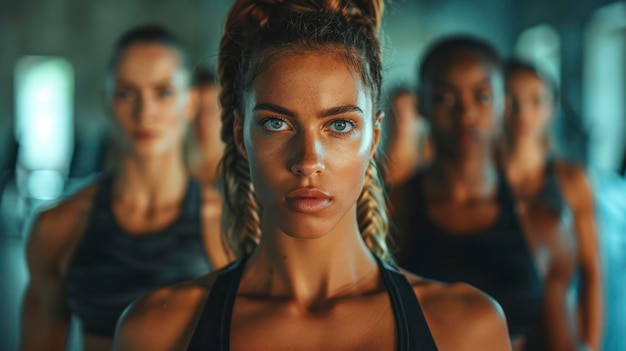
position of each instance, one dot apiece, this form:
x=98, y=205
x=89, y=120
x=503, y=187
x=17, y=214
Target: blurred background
x=54, y=129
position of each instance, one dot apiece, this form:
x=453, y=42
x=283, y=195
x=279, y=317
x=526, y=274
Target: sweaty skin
x=308, y=122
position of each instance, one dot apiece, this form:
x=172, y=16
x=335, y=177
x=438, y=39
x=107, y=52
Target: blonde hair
x=247, y=46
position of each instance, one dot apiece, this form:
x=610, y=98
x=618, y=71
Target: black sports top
x=550, y=192
x=213, y=328
x=496, y=261
x=111, y=268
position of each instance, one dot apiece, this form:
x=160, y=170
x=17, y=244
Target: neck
x=312, y=271
x=150, y=182
x=524, y=159
x=466, y=179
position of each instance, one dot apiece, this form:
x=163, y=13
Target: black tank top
x=111, y=268
x=213, y=328
x=550, y=193
x=496, y=261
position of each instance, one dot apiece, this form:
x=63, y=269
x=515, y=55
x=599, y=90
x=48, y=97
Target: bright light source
x=44, y=123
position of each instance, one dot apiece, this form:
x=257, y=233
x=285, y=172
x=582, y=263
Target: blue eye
x=341, y=126
x=275, y=124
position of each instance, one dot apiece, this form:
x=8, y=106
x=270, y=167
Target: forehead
x=312, y=78
x=462, y=68
x=144, y=62
x=524, y=78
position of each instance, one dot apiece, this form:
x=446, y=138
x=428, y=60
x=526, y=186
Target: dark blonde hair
x=256, y=32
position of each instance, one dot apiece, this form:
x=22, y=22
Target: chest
x=365, y=323
x=464, y=219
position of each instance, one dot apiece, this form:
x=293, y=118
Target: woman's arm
x=45, y=315
x=580, y=198
x=219, y=255
x=557, y=327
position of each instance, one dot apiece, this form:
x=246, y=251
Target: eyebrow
x=164, y=81
x=326, y=113
x=448, y=84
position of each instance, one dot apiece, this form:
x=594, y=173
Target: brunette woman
x=143, y=226
x=305, y=210
x=537, y=176
x=458, y=220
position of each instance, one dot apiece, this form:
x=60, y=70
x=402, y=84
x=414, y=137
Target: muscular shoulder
x=165, y=319
x=461, y=317
x=211, y=201
x=51, y=230
x=574, y=185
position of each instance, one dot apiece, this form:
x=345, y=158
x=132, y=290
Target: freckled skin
x=330, y=295
x=328, y=161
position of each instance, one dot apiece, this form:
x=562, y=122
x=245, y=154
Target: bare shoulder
x=461, y=317
x=574, y=184
x=164, y=319
x=50, y=231
x=211, y=201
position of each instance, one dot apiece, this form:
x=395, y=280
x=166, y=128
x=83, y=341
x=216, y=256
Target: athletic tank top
x=550, y=192
x=496, y=261
x=213, y=328
x=111, y=267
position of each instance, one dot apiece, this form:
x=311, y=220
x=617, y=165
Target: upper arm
x=45, y=314
x=461, y=317
x=218, y=254
x=579, y=196
x=556, y=318
x=52, y=236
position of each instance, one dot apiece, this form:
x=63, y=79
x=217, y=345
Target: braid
x=372, y=213
x=255, y=31
x=240, y=218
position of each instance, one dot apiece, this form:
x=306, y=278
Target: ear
x=193, y=105
x=378, y=122
x=238, y=134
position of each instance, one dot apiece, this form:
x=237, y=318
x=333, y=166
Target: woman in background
x=537, y=176
x=143, y=226
x=458, y=220
x=208, y=146
x=304, y=205
x=407, y=145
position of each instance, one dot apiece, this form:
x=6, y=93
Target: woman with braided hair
x=304, y=206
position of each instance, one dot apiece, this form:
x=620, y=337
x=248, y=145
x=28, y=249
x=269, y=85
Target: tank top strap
x=192, y=203
x=411, y=327
x=213, y=327
x=103, y=194
x=551, y=193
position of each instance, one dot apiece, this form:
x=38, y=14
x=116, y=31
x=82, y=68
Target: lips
x=468, y=136
x=308, y=200
x=144, y=134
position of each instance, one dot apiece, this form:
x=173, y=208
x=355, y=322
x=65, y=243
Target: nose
x=144, y=108
x=308, y=156
x=467, y=111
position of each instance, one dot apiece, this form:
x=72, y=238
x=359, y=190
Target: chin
x=306, y=228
